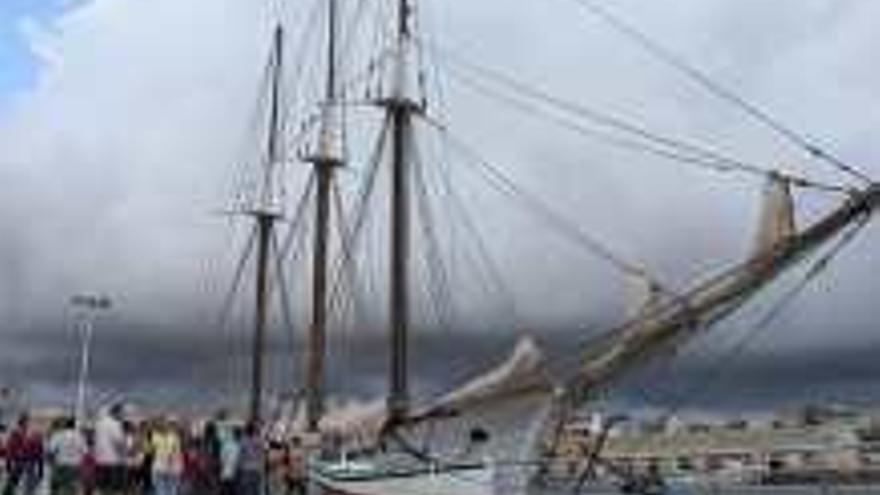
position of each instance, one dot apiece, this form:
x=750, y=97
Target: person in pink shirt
x=24, y=458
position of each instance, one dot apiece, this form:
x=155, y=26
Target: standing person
x=193, y=465
x=137, y=482
x=24, y=458
x=134, y=451
x=145, y=448
x=167, y=458
x=110, y=450
x=251, y=464
x=209, y=454
x=295, y=467
x=127, y=452
x=3, y=437
x=66, y=450
x=229, y=457
x=275, y=472
x=88, y=469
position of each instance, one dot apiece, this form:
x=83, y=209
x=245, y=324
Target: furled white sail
x=777, y=220
x=357, y=424
x=632, y=343
x=524, y=372
x=479, y=438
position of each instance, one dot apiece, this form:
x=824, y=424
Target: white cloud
x=118, y=153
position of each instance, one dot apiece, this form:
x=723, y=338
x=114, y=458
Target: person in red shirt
x=2, y=441
x=294, y=466
x=24, y=458
x=89, y=466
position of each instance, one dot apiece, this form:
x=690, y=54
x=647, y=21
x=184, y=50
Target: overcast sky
x=121, y=131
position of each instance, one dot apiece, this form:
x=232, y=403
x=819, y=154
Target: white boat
x=355, y=478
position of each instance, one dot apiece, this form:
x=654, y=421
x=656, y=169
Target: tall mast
x=328, y=156
x=265, y=215
x=400, y=107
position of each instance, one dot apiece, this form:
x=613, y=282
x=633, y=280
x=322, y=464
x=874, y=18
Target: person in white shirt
x=66, y=450
x=229, y=457
x=110, y=452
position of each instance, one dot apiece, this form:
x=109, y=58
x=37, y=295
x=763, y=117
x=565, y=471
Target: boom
x=632, y=343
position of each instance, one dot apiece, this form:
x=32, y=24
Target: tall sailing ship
x=496, y=433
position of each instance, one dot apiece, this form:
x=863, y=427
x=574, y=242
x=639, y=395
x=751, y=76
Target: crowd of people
x=157, y=456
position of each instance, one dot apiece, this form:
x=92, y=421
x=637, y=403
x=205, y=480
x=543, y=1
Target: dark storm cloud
x=758, y=380
x=183, y=368
x=194, y=362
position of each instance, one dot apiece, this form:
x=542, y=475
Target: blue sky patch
x=17, y=64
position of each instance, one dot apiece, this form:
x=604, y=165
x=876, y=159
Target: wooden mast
x=326, y=159
x=265, y=217
x=400, y=108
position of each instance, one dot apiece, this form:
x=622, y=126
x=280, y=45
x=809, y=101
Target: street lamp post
x=88, y=304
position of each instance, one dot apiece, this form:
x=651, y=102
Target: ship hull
x=458, y=482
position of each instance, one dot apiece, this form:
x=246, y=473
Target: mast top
x=402, y=76
x=329, y=148
x=404, y=16
x=268, y=201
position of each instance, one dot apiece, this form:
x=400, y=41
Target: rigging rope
x=349, y=268
x=719, y=164
x=244, y=188
x=346, y=337
x=508, y=187
x=482, y=259
x=226, y=308
x=654, y=143
x=440, y=294
x=485, y=270
x=353, y=236
x=286, y=311
x=678, y=63
x=297, y=88
x=298, y=218
x=722, y=362
x=222, y=322
x=280, y=251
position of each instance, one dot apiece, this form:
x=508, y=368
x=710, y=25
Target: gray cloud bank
x=194, y=371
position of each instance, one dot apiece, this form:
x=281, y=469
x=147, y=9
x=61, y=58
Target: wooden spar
x=327, y=158
x=265, y=218
x=264, y=235
x=398, y=399
x=399, y=108
x=317, y=330
x=634, y=342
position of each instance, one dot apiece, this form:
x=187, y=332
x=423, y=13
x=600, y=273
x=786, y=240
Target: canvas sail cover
x=500, y=416
x=644, y=296
x=613, y=353
x=506, y=404
x=357, y=424
x=524, y=372
x=777, y=222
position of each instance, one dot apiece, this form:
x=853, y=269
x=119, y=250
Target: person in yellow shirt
x=167, y=469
